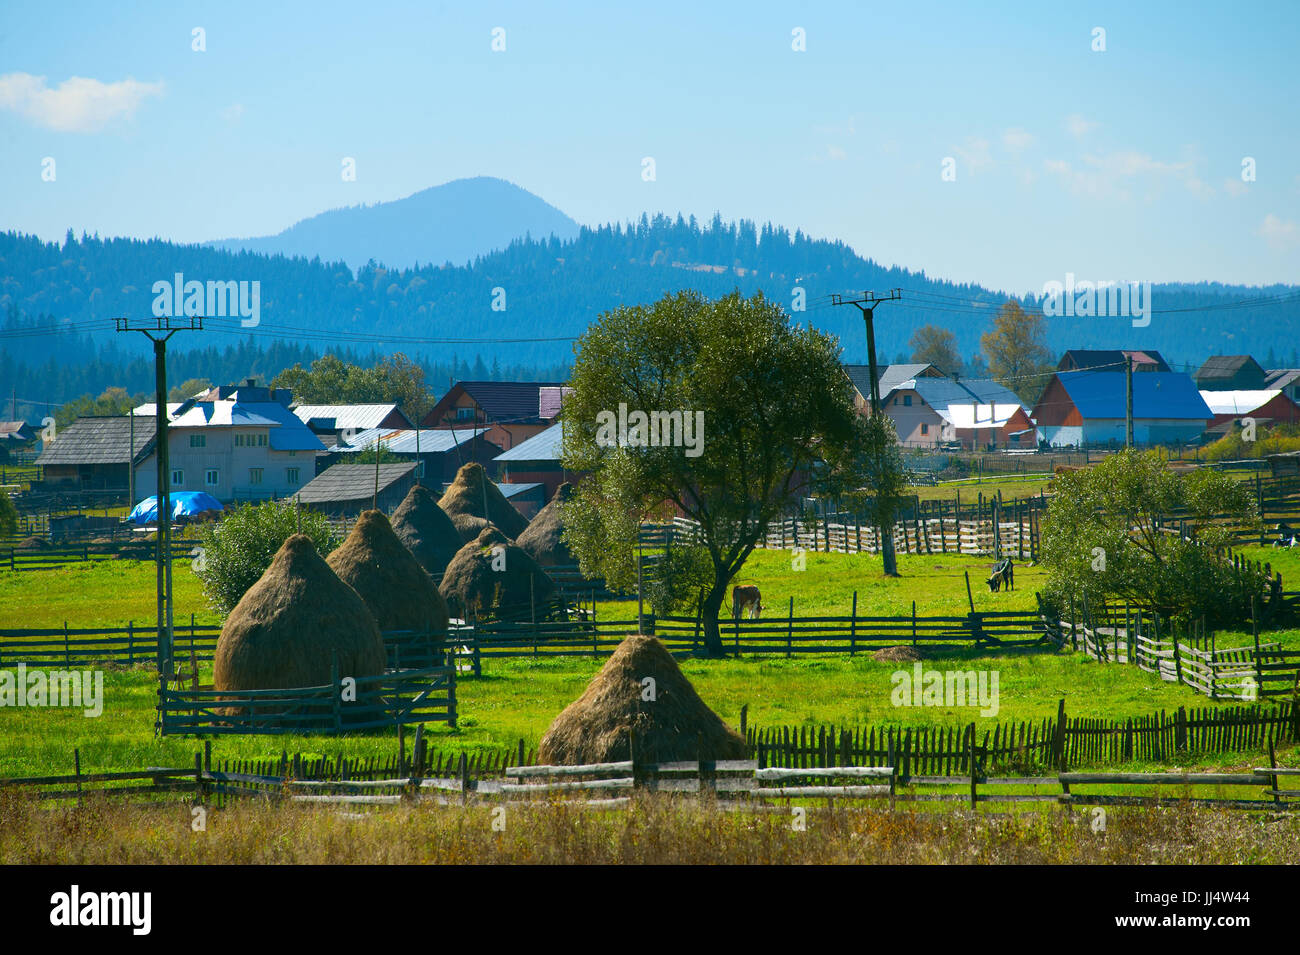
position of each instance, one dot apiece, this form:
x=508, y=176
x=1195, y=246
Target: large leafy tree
x=1106, y=536
x=1016, y=349
x=330, y=380
x=776, y=405
x=938, y=347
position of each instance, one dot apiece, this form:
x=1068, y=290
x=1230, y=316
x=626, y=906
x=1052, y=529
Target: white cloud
x=1277, y=232
x=1078, y=127
x=77, y=105
x=1017, y=139
x=1111, y=175
x=1233, y=186
x=975, y=153
x=233, y=113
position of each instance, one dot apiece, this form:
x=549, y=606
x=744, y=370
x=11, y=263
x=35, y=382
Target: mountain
x=455, y=222
x=553, y=289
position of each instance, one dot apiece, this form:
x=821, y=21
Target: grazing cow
x=746, y=598
x=1004, y=575
x=1286, y=536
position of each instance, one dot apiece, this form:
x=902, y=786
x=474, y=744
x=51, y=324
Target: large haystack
x=472, y=493
x=594, y=728
x=543, y=540
x=293, y=623
x=399, y=592
x=480, y=583
x=426, y=531
x=469, y=527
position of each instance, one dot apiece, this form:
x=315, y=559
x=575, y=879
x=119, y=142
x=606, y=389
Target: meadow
x=518, y=698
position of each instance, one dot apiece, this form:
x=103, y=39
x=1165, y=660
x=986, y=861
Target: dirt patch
x=899, y=654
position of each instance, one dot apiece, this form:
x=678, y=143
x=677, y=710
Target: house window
x=465, y=413
x=210, y=477
x=198, y=441
x=291, y=475
x=251, y=440
x=907, y=401
x=254, y=475
x=178, y=477
x=925, y=429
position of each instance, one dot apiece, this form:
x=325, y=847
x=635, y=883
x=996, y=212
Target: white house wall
x=232, y=464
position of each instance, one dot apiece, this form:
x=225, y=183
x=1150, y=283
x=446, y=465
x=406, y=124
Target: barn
x=1087, y=408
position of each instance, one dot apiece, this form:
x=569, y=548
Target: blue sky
x=1116, y=165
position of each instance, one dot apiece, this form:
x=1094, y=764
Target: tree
x=8, y=516
x=330, y=380
x=188, y=389
x=876, y=483
x=937, y=346
x=767, y=402
x=1016, y=350
x=1101, y=539
x=112, y=401
x=236, y=550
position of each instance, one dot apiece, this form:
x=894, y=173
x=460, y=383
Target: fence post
x=1180, y=729
x=853, y=626
x=1259, y=673
x=974, y=776
x=1058, y=741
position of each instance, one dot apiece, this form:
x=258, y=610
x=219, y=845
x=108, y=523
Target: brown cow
x=745, y=598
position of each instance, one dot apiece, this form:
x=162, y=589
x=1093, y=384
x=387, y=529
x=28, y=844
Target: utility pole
x=1128, y=401
x=158, y=329
x=867, y=306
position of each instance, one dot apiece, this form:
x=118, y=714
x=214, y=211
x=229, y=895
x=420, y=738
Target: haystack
x=292, y=624
x=426, y=531
x=902, y=654
x=469, y=527
x=543, y=540
x=398, y=591
x=675, y=725
x=473, y=586
x=472, y=493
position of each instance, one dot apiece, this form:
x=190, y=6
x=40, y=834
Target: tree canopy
x=936, y=346
x=1016, y=349
x=775, y=408
x=1103, y=539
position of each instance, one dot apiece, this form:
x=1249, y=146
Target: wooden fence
x=1243, y=673
x=396, y=697
x=1030, y=744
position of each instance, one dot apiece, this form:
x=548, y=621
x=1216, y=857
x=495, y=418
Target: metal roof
x=1238, y=402
x=510, y=400
x=98, y=440
x=355, y=417
x=891, y=376
x=351, y=482
x=543, y=446
x=432, y=440
x=972, y=415
x=939, y=393
x=1156, y=394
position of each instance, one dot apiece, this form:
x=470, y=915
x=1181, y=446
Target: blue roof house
x=1087, y=408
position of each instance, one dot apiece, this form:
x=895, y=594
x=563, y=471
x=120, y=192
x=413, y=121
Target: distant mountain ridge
x=554, y=288
x=455, y=222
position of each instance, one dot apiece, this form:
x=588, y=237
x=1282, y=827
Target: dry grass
x=652, y=830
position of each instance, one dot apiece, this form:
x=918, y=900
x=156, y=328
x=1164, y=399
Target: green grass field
x=517, y=699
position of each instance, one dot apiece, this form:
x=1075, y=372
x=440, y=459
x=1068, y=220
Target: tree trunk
x=887, y=555
x=709, y=614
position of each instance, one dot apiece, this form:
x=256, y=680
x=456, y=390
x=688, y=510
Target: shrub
x=236, y=551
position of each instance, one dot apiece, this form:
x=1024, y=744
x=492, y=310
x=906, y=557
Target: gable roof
x=99, y=440
x=287, y=431
x=506, y=402
x=1156, y=394
x=1226, y=367
x=351, y=482
x=543, y=446
x=971, y=415
x=1281, y=377
x=16, y=431
x=360, y=417
x=1081, y=359
x=939, y=393
x=1239, y=402
x=891, y=376
x=431, y=440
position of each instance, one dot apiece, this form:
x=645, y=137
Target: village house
x=236, y=442
x=345, y=490
x=440, y=452
x=538, y=460
x=1231, y=373
x=1084, y=359
x=512, y=411
x=335, y=423
x=930, y=409
x=1088, y=408
x=1263, y=407
x=94, y=453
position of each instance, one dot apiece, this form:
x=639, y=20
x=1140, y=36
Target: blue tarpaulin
x=184, y=504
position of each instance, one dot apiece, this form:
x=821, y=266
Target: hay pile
x=594, y=728
x=469, y=527
x=398, y=591
x=473, y=494
x=473, y=587
x=288, y=628
x=898, y=655
x=33, y=543
x=425, y=530
x=543, y=540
